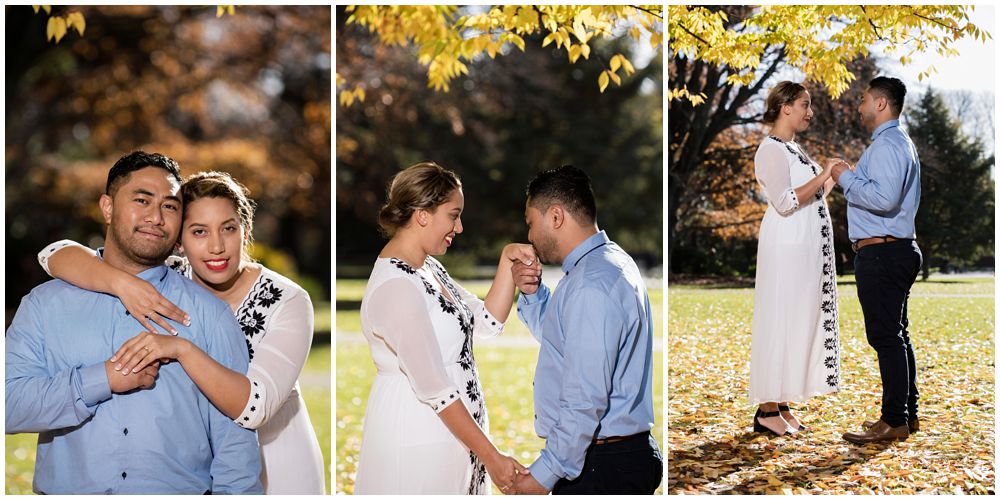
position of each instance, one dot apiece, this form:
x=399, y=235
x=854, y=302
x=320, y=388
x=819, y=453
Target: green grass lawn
x=506, y=371
x=20, y=448
x=712, y=448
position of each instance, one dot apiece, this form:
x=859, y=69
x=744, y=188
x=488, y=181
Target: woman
x=276, y=316
x=426, y=429
x=794, y=350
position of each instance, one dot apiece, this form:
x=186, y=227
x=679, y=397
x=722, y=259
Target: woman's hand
x=503, y=470
x=146, y=305
x=521, y=252
x=146, y=348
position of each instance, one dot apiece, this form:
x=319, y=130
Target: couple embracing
x=210, y=405
x=795, y=349
x=426, y=427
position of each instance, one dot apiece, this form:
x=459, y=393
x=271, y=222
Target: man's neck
x=577, y=238
x=114, y=258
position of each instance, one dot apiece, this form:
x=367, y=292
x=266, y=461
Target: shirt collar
x=153, y=275
x=594, y=241
x=883, y=127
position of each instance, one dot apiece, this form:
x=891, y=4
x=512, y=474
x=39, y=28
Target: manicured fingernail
x=118, y=366
x=187, y=321
x=113, y=358
x=136, y=369
x=173, y=332
x=124, y=372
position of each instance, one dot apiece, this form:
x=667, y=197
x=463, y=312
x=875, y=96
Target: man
x=593, y=382
x=104, y=432
x=883, y=193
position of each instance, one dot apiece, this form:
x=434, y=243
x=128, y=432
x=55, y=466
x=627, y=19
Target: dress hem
x=797, y=399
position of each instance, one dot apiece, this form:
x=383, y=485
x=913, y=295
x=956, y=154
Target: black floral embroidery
x=830, y=362
x=427, y=286
x=830, y=344
x=829, y=325
x=824, y=231
x=446, y=306
x=827, y=306
x=832, y=380
x=255, y=310
x=269, y=295
x=403, y=266
x=822, y=211
x=472, y=390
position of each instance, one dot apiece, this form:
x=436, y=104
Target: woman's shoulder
x=285, y=284
x=770, y=149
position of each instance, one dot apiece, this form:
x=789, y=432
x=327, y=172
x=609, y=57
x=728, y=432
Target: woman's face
x=212, y=239
x=798, y=113
x=443, y=224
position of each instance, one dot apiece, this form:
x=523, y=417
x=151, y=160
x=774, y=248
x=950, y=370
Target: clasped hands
x=835, y=167
x=526, y=268
x=512, y=478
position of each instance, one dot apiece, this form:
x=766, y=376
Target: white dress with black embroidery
x=795, y=351
x=276, y=316
x=419, y=325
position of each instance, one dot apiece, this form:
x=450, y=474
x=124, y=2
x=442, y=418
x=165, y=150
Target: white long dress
x=795, y=352
x=419, y=325
x=276, y=316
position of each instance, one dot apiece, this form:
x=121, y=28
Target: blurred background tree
x=499, y=125
x=247, y=93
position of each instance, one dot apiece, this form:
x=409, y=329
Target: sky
x=973, y=69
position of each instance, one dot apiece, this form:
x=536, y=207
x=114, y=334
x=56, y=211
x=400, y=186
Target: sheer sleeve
x=43, y=256
x=486, y=325
x=400, y=318
x=771, y=166
x=278, y=360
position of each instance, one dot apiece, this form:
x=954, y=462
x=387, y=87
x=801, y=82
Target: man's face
x=144, y=216
x=867, y=109
x=541, y=235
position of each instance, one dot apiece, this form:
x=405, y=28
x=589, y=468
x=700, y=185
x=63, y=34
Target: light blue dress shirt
x=167, y=440
x=594, y=377
x=883, y=193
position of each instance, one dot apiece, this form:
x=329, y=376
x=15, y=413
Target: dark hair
x=567, y=186
x=138, y=160
x=892, y=89
x=783, y=93
x=222, y=185
x=423, y=186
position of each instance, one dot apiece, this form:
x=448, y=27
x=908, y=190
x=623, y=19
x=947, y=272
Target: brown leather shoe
x=878, y=432
x=914, y=425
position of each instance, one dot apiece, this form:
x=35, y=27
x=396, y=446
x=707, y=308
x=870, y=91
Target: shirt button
x=123, y=475
x=125, y=431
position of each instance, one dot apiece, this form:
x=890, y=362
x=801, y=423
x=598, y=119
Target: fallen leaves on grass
x=712, y=448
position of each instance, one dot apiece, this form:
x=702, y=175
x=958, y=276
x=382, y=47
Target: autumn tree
x=722, y=58
x=448, y=38
x=956, y=219
x=497, y=127
x=247, y=93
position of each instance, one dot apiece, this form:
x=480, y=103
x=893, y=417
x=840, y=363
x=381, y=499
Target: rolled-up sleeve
x=400, y=318
x=771, y=166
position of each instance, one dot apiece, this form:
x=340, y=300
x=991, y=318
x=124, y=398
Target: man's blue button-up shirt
x=883, y=193
x=168, y=439
x=594, y=375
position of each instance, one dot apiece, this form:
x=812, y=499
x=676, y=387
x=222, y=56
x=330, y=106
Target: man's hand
x=527, y=277
x=144, y=379
x=839, y=168
x=525, y=484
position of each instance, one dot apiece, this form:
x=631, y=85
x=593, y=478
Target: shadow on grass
x=688, y=467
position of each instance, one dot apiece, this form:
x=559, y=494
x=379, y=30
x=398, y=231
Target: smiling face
x=442, y=224
x=799, y=112
x=213, y=240
x=144, y=216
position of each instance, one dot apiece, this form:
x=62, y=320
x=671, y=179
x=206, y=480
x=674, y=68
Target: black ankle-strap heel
x=759, y=427
x=782, y=408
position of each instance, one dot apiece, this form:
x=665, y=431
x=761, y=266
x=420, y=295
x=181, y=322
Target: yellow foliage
x=446, y=44
x=817, y=39
x=56, y=28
